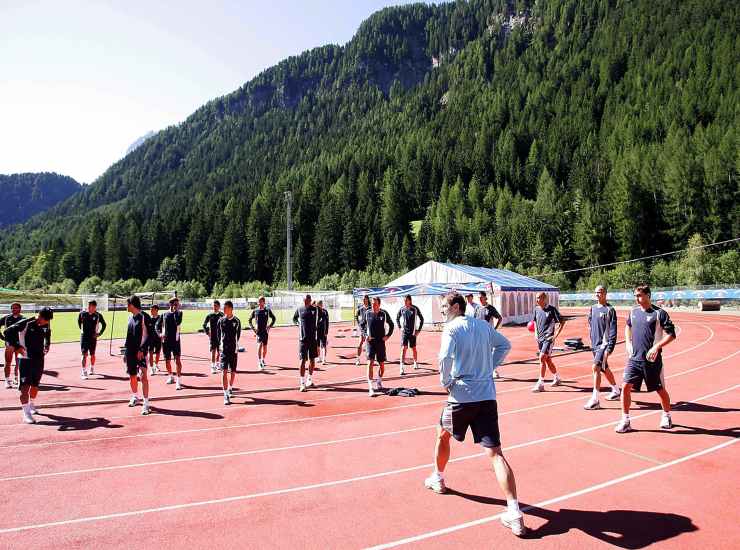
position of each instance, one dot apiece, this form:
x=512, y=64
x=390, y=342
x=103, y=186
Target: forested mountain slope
x=24, y=195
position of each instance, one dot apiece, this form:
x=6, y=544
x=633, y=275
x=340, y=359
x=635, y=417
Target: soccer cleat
x=592, y=404
x=623, y=427
x=132, y=401
x=302, y=388
x=145, y=410
x=556, y=381
x=436, y=484
x=28, y=418
x=227, y=400
x=8, y=385
x=539, y=386
x=665, y=422
x=516, y=524
x=170, y=380
x=614, y=395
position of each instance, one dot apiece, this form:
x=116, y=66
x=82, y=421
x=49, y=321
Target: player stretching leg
x=545, y=318
x=230, y=329
x=360, y=316
x=136, y=347
x=210, y=327
x=322, y=330
x=31, y=338
x=406, y=320
x=91, y=325
x=649, y=329
x=375, y=321
x=171, y=322
x=470, y=350
x=155, y=339
x=602, y=324
x=10, y=353
x=265, y=321
x=488, y=313
x=306, y=317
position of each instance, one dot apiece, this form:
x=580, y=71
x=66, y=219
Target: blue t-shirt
x=545, y=321
x=602, y=321
x=648, y=327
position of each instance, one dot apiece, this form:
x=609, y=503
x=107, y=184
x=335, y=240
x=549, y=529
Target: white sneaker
x=92, y=370
x=28, y=418
x=372, y=392
x=614, y=395
x=592, y=404
x=309, y=383
x=556, y=381
x=170, y=380
x=227, y=400
x=178, y=386
x=496, y=375
x=402, y=372
x=8, y=384
x=516, y=524
x=538, y=386
x=302, y=388
x=132, y=401
x=415, y=365
x=83, y=375
x=665, y=422
x=145, y=410
x=436, y=484
x=261, y=365
x=623, y=427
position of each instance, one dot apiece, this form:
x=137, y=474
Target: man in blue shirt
x=545, y=318
x=469, y=351
x=649, y=329
x=602, y=324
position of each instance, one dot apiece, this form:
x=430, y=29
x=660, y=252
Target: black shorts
x=214, y=343
x=544, y=347
x=88, y=345
x=262, y=337
x=154, y=345
x=599, y=359
x=375, y=350
x=171, y=348
x=481, y=416
x=408, y=340
x=30, y=371
x=652, y=373
x=308, y=350
x=133, y=364
x=228, y=361
x=322, y=341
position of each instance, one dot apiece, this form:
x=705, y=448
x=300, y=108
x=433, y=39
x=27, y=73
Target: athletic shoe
x=92, y=370
x=302, y=388
x=415, y=365
x=83, y=375
x=402, y=372
x=178, y=386
x=145, y=410
x=592, y=404
x=614, y=395
x=213, y=369
x=310, y=384
x=539, y=386
x=170, y=380
x=132, y=401
x=357, y=362
x=373, y=393
x=436, y=484
x=623, y=427
x=496, y=375
x=8, y=385
x=261, y=365
x=556, y=381
x=516, y=525
x=151, y=371
x=28, y=418
x=230, y=391
x=227, y=401
x=16, y=382
x=33, y=409
x=665, y=422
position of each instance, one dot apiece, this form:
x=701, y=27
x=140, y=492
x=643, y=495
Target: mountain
x=541, y=135
x=25, y=195
x=139, y=141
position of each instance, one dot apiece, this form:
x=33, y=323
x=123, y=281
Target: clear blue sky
x=80, y=80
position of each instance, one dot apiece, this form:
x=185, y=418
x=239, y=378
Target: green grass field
x=64, y=325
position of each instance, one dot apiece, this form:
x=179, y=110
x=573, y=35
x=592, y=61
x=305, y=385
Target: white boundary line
x=377, y=475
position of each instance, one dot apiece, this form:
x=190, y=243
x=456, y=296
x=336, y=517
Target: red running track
x=333, y=468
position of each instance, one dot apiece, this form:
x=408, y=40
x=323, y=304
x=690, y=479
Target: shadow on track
x=70, y=424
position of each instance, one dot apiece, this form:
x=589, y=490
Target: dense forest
x=541, y=136
x=24, y=195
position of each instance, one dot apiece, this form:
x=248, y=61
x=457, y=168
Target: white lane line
x=303, y=419
x=301, y=488
x=613, y=448
x=561, y=498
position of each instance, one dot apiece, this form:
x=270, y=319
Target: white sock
x=301, y=379
x=615, y=389
x=626, y=417
x=27, y=408
x=226, y=393
x=436, y=473
x=32, y=402
x=134, y=396
x=370, y=384
x=513, y=507
x=146, y=401
x=596, y=393
x=378, y=380
x=178, y=379
x=666, y=414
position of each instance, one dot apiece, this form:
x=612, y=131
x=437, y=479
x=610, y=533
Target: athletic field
x=334, y=468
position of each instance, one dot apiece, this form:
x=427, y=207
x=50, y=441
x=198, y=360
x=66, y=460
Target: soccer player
x=10, y=353
x=171, y=322
x=472, y=308
x=306, y=317
x=488, y=313
x=360, y=316
x=210, y=327
x=546, y=317
x=155, y=339
x=92, y=326
x=31, y=339
x=375, y=320
x=467, y=356
x=322, y=330
x=602, y=324
x=406, y=320
x=649, y=329
x=136, y=347
x=230, y=329
x=265, y=321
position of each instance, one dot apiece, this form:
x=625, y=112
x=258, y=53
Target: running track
x=333, y=468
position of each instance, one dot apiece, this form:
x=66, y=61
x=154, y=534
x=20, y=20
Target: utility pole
x=288, y=243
